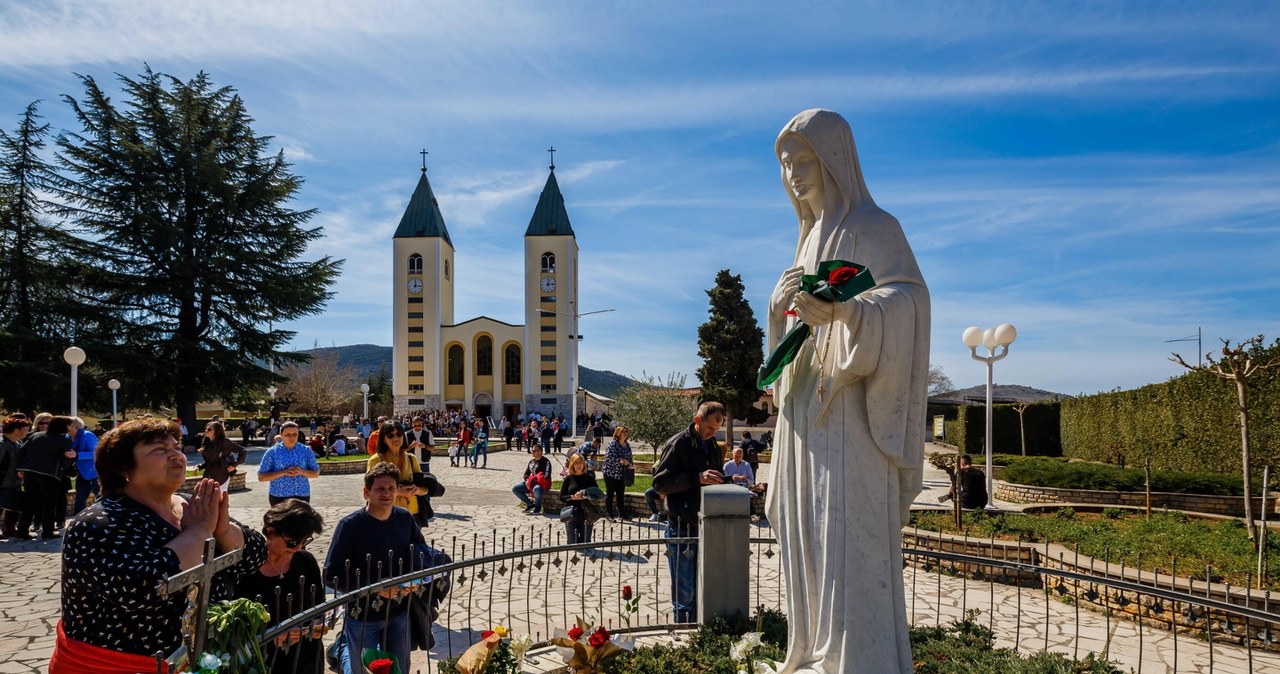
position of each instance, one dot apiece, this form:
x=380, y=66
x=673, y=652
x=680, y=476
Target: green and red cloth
x=836, y=281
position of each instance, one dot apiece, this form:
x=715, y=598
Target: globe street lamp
x=75, y=357
x=114, y=385
x=364, y=390
x=1001, y=336
x=271, y=404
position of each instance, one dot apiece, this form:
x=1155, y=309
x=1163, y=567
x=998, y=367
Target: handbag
x=628, y=476
x=425, y=512
x=567, y=513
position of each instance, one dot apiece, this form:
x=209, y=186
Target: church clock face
x=548, y=284
x=415, y=285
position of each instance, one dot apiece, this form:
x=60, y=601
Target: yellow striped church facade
x=481, y=363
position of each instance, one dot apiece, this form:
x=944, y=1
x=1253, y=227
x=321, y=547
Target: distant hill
x=367, y=359
x=603, y=382
x=1000, y=393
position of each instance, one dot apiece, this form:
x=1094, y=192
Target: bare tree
x=939, y=382
x=1237, y=365
x=1021, y=409
x=320, y=386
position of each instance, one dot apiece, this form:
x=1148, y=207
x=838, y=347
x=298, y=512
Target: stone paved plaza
x=544, y=597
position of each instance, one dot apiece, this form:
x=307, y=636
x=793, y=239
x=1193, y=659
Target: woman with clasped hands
x=117, y=551
x=288, y=466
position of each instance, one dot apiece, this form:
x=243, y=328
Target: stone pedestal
x=723, y=567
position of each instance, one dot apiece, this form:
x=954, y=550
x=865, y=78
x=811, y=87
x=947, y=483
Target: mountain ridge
x=368, y=359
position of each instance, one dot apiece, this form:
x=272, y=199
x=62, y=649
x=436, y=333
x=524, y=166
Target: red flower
x=841, y=274
x=575, y=633
x=626, y=593
x=486, y=634
x=381, y=666
x=599, y=638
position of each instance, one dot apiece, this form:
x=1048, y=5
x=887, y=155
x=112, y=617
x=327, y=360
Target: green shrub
x=1040, y=472
x=1190, y=422
x=968, y=431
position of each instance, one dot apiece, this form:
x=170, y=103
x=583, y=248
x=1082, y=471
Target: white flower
x=519, y=645
x=741, y=650
x=210, y=661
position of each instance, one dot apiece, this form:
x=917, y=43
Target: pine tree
x=731, y=346
x=40, y=314
x=200, y=245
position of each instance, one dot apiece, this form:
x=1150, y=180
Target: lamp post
x=364, y=390
x=271, y=403
x=574, y=338
x=1001, y=336
x=75, y=357
x=114, y=385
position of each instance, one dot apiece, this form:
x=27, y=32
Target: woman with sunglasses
x=288, y=466
x=289, y=583
x=391, y=441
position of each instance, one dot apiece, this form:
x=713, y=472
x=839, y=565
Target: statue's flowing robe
x=847, y=464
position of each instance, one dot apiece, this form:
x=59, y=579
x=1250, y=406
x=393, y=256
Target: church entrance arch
x=483, y=404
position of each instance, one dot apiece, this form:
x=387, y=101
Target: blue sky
x=1105, y=176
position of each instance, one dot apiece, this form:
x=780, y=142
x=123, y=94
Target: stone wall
x=1232, y=506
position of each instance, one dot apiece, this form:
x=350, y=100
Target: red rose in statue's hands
x=841, y=274
x=486, y=634
x=599, y=638
x=575, y=633
x=626, y=593
x=381, y=666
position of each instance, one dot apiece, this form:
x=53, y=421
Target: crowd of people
x=140, y=529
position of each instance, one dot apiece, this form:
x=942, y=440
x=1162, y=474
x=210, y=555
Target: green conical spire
x=549, y=217
x=422, y=217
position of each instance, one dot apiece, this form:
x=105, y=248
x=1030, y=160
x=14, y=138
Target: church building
x=483, y=364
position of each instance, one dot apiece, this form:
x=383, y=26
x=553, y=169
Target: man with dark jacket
x=689, y=460
x=539, y=466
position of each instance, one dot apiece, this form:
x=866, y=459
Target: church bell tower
x=550, y=300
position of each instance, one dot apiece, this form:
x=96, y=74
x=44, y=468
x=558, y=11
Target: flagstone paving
x=540, y=598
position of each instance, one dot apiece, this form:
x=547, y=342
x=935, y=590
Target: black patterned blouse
x=113, y=558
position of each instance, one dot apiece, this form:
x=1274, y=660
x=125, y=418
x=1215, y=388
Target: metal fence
x=532, y=581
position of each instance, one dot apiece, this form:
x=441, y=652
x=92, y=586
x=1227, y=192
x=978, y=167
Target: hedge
x=1190, y=422
x=1081, y=475
x=968, y=430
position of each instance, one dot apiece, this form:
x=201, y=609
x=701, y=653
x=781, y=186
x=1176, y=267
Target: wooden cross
x=424, y=154
x=552, y=150
x=196, y=581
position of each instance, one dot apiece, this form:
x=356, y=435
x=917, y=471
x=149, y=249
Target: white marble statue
x=850, y=436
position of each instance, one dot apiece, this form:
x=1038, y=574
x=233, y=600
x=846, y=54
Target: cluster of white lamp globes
x=1000, y=336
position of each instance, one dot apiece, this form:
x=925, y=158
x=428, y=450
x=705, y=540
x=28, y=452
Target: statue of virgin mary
x=849, y=443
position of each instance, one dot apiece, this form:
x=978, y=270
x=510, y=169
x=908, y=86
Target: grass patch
x=1123, y=536
x=643, y=482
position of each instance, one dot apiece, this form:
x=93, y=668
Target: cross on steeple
x=424, y=154
x=552, y=150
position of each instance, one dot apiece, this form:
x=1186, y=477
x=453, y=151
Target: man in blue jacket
x=85, y=444
x=689, y=460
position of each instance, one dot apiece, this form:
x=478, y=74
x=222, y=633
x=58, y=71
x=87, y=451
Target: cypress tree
x=730, y=344
x=200, y=247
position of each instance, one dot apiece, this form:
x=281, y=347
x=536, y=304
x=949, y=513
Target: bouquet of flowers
x=497, y=652
x=234, y=630
x=585, y=649
x=836, y=281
